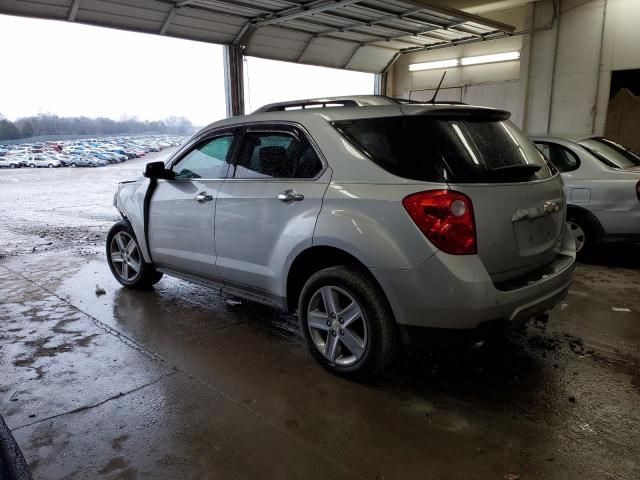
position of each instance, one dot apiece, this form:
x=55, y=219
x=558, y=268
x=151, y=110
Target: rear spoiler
x=477, y=114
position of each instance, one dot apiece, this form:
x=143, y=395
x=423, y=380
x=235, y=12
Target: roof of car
x=344, y=108
x=568, y=139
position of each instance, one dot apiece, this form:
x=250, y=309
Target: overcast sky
x=71, y=69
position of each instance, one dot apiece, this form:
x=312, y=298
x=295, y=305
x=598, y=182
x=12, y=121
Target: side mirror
x=157, y=170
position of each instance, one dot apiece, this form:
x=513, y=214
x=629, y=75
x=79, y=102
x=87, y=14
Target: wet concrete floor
x=176, y=383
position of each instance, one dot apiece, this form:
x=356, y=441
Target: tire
x=13, y=165
x=583, y=234
x=118, y=240
x=50, y=165
x=73, y=165
x=32, y=165
x=373, y=330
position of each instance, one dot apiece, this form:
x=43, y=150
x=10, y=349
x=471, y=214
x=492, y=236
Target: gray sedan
x=602, y=187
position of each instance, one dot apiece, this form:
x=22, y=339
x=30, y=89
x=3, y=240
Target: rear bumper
x=456, y=292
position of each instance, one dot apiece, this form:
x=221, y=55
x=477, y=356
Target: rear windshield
x=611, y=153
x=437, y=149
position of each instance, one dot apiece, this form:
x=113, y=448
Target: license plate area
x=536, y=234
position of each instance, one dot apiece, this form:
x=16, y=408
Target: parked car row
x=94, y=152
x=602, y=189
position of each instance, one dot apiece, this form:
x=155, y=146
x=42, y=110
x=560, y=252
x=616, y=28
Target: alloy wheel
x=125, y=256
x=337, y=325
x=578, y=233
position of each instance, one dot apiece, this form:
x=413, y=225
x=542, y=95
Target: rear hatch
x=517, y=195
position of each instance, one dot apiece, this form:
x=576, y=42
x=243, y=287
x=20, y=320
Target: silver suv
x=367, y=215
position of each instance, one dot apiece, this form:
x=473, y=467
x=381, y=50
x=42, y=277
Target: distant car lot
x=86, y=152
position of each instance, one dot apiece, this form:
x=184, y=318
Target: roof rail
x=328, y=102
x=304, y=104
x=349, y=101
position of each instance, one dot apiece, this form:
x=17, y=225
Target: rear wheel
x=50, y=165
x=32, y=165
x=346, y=322
x=13, y=165
x=126, y=261
x=73, y=165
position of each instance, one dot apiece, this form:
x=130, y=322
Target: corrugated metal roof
x=364, y=35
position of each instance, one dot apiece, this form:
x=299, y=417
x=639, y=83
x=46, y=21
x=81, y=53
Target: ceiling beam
x=302, y=11
x=464, y=16
x=306, y=46
x=379, y=21
x=450, y=43
x=352, y=56
x=331, y=37
x=238, y=39
x=167, y=21
x=250, y=6
x=333, y=30
x=73, y=11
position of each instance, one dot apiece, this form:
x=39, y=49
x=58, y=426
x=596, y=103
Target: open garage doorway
x=623, y=114
x=270, y=81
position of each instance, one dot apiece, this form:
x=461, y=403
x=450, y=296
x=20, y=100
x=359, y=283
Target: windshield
x=611, y=153
x=448, y=148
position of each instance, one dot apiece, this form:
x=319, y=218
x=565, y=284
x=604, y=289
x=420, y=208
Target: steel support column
x=233, y=80
x=380, y=83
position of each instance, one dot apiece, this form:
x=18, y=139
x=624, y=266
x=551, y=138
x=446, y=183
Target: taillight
x=638, y=190
x=446, y=219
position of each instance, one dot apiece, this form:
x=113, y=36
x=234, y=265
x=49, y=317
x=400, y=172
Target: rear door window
x=276, y=154
x=561, y=157
x=455, y=148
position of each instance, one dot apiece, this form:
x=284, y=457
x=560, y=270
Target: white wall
x=496, y=84
x=542, y=99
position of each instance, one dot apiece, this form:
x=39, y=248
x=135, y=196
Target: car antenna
x=433, y=99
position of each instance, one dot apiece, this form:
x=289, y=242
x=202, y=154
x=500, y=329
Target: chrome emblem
x=548, y=207
x=552, y=206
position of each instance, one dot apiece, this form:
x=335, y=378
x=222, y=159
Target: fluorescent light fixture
x=465, y=61
x=493, y=58
x=414, y=67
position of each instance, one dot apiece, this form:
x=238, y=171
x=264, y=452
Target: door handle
x=290, y=196
x=203, y=197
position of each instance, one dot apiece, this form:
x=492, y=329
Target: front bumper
x=456, y=292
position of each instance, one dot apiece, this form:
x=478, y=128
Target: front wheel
x=126, y=261
x=33, y=165
x=51, y=165
x=346, y=322
x=73, y=165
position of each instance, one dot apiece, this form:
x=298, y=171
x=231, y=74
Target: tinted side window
x=447, y=147
x=276, y=155
x=207, y=160
x=561, y=157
